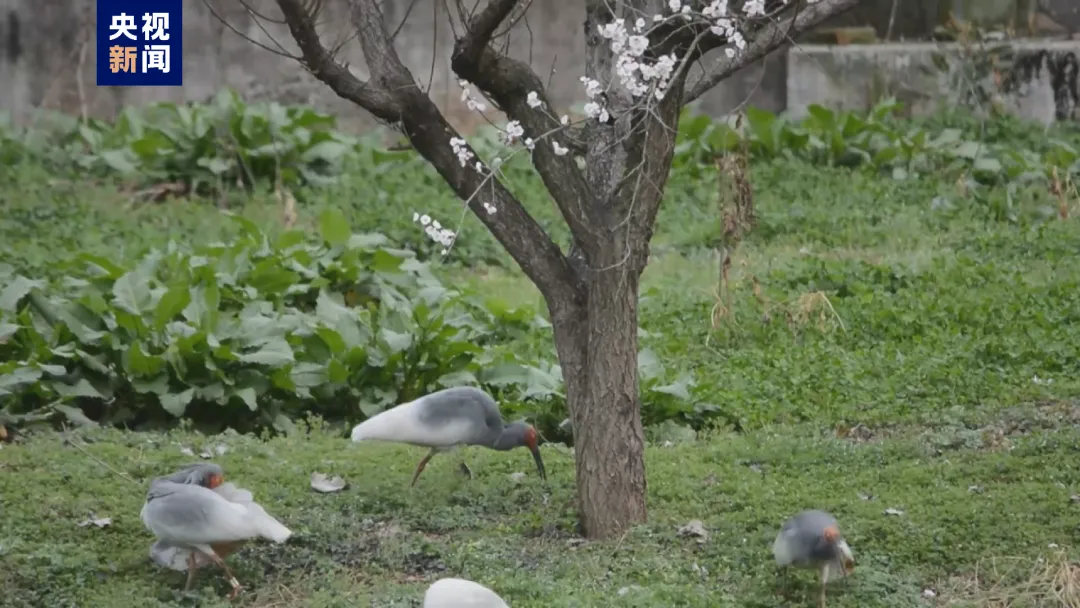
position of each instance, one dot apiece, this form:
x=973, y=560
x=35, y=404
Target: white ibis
x=446, y=419
x=460, y=593
x=207, y=523
x=812, y=539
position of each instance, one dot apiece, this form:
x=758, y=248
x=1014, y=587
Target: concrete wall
x=856, y=77
x=47, y=59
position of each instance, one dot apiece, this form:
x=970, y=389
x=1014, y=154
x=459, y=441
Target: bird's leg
x=190, y=571
x=465, y=470
x=462, y=466
x=420, y=467
x=236, y=587
x=824, y=580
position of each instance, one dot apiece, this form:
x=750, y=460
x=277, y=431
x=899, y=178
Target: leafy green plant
x=245, y=334
x=209, y=146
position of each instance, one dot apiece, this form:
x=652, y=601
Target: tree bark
x=597, y=347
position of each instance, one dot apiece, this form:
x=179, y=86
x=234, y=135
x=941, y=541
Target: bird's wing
x=231, y=493
x=414, y=423
x=787, y=547
x=190, y=515
x=461, y=593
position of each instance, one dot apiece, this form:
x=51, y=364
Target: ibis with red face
x=446, y=419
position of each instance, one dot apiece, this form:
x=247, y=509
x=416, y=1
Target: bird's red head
x=530, y=438
x=215, y=481
x=831, y=534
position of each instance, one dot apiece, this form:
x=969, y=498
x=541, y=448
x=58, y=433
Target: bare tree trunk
x=597, y=346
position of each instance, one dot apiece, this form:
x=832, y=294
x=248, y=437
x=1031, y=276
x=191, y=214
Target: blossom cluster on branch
x=644, y=75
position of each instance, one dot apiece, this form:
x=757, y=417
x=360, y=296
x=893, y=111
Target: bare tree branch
x=393, y=94
x=765, y=40
x=321, y=63
x=508, y=83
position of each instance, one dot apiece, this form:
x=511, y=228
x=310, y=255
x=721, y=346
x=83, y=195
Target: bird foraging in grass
x=446, y=419
x=198, y=518
x=461, y=593
x=812, y=539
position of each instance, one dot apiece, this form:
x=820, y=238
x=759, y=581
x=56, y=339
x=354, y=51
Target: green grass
x=377, y=543
x=944, y=319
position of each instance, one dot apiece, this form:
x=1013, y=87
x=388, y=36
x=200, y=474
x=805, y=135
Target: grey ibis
x=446, y=419
x=461, y=593
x=192, y=510
x=812, y=539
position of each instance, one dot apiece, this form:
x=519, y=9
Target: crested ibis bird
x=446, y=419
x=192, y=510
x=461, y=593
x=812, y=539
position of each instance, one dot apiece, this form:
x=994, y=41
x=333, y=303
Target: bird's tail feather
x=268, y=526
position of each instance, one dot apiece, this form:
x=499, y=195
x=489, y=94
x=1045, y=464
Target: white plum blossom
x=559, y=150
x=592, y=87
x=529, y=143
x=639, y=25
x=435, y=231
x=595, y=110
x=716, y=10
x=470, y=101
x=513, y=131
x=675, y=5
x=754, y=8
x=564, y=120
x=533, y=99
x=461, y=149
x=489, y=208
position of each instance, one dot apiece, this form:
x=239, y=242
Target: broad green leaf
x=334, y=227
x=285, y=424
x=339, y=318
x=368, y=241
x=7, y=330
x=176, y=403
x=970, y=150
x=18, y=377
x=337, y=372
x=102, y=265
x=680, y=388
x=458, y=378
x=649, y=365
x=138, y=363
x=121, y=161
x=172, y=303
x=274, y=352
x=82, y=388
x=73, y=414
x=248, y=396
x=987, y=165
x=132, y=293
x=331, y=338
x=308, y=374
x=397, y=342
x=15, y=291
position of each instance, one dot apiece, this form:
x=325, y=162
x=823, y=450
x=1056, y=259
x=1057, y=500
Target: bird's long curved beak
x=539, y=462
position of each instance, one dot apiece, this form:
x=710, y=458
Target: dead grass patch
x=1050, y=581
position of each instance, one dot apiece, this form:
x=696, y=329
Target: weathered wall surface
x=47, y=58
x=855, y=77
